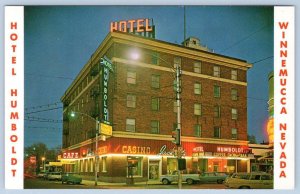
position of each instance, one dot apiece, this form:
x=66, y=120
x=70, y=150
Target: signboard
x=138, y=25
x=105, y=129
x=70, y=155
x=107, y=67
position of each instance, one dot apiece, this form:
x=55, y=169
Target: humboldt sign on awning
x=106, y=68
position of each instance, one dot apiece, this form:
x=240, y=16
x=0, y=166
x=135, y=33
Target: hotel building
x=140, y=106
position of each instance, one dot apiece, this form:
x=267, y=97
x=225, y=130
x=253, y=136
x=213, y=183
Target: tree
x=40, y=150
x=252, y=139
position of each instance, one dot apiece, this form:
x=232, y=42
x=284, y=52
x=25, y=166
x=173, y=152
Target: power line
x=49, y=76
x=51, y=128
x=41, y=106
x=243, y=39
x=260, y=60
x=43, y=110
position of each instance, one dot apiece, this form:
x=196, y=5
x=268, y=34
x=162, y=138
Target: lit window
x=155, y=104
x=197, y=88
x=217, y=111
x=130, y=125
x=234, y=74
x=197, y=67
x=155, y=81
x=131, y=77
x=234, y=133
x=216, y=71
x=154, y=126
x=197, y=130
x=217, y=91
x=197, y=109
x=217, y=132
x=234, y=94
x=131, y=101
x=234, y=113
x=82, y=102
x=134, y=166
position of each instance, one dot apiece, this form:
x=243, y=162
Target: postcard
x=149, y=97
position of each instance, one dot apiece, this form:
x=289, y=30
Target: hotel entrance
x=154, y=171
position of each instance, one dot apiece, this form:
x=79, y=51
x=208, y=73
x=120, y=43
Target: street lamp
x=135, y=56
x=43, y=160
x=73, y=114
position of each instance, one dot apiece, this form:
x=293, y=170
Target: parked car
x=54, y=176
x=42, y=174
x=188, y=178
x=212, y=177
x=71, y=178
x=255, y=180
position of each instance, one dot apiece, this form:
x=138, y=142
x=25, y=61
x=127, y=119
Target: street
x=35, y=183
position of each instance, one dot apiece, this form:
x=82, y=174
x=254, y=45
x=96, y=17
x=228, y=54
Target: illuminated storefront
x=147, y=160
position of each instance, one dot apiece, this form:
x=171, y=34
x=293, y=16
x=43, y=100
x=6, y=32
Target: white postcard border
x=14, y=97
x=284, y=97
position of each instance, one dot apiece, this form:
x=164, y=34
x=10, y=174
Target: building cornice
x=147, y=136
x=177, y=50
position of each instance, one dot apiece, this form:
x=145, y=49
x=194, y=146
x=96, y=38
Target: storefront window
x=104, y=168
x=134, y=166
x=171, y=165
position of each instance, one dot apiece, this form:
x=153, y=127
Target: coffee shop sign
x=70, y=155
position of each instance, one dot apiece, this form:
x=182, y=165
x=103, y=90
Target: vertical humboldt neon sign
x=106, y=68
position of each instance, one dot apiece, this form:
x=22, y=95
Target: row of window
x=155, y=128
x=131, y=75
x=131, y=103
x=155, y=83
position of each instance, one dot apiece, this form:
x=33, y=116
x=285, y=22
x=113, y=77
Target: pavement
x=92, y=183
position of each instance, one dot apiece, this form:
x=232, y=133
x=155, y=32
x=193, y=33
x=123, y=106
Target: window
x=234, y=74
x=234, y=113
x=154, y=126
x=134, y=166
x=175, y=106
x=217, y=111
x=104, y=164
x=131, y=101
x=197, y=130
x=197, y=109
x=197, y=67
x=217, y=132
x=217, y=91
x=155, y=81
x=233, y=133
x=216, y=71
x=234, y=94
x=155, y=58
x=197, y=88
x=155, y=104
x=130, y=125
x=82, y=102
x=131, y=77
x=87, y=97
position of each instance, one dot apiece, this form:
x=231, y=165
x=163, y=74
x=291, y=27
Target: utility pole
x=178, y=101
x=96, y=152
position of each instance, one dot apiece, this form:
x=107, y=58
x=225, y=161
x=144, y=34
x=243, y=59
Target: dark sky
x=60, y=40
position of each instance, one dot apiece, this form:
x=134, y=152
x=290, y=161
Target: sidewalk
x=144, y=183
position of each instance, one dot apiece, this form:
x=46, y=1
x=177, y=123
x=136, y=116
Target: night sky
x=60, y=40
